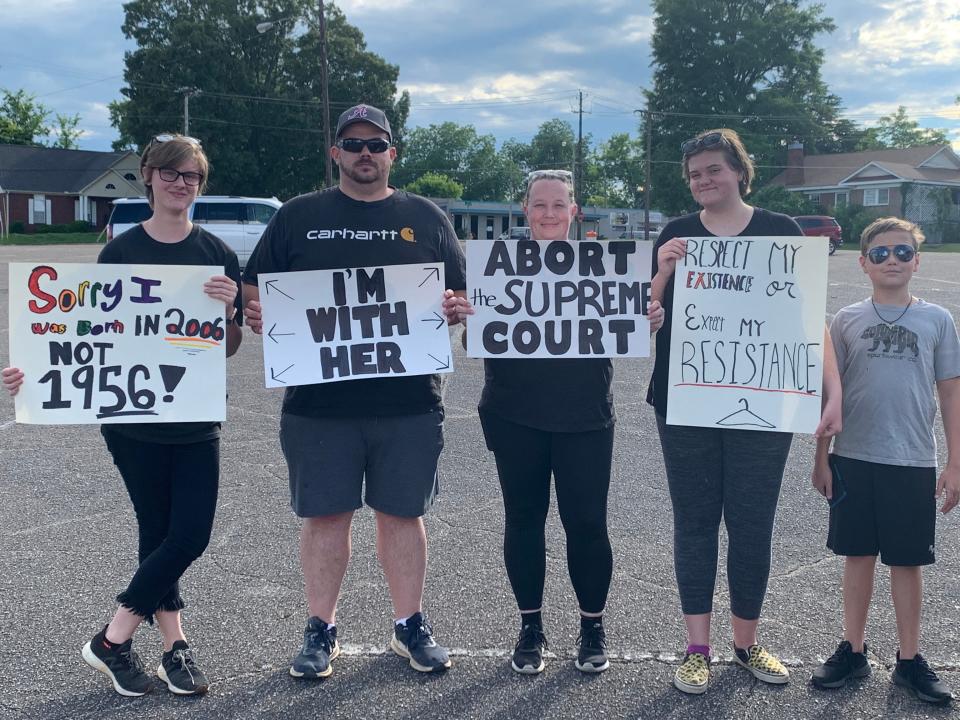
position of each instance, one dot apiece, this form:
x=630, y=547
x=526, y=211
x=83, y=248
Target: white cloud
x=557, y=43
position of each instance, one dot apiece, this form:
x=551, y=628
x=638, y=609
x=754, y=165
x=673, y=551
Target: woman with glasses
x=171, y=470
x=727, y=473
x=552, y=416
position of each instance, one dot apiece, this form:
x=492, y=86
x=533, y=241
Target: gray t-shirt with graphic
x=889, y=368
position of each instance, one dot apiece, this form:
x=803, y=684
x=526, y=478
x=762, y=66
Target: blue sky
x=513, y=65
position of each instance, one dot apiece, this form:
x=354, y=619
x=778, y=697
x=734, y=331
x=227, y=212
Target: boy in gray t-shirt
x=881, y=480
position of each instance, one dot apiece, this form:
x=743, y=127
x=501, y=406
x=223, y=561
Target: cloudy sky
x=514, y=65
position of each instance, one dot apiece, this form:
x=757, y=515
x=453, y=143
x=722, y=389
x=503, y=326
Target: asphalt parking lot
x=67, y=543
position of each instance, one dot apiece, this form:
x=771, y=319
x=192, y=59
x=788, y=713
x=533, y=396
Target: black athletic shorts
x=885, y=510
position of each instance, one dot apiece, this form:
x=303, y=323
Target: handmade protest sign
x=542, y=299
x=748, y=323
x=323, y=326
x=116, y=343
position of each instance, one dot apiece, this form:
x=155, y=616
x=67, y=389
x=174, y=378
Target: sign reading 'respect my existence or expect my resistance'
x=328, y=325
x=116, y=343
x=543, y=299
x=748, y=325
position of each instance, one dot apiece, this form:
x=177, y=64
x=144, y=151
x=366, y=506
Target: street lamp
x=263, y=27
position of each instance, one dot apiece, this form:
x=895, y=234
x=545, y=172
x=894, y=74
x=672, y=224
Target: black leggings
x=580, y=463
x=174, y=493
x=735, y=475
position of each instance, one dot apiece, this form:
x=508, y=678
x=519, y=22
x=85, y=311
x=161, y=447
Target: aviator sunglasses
x=706, y=142
x=355, y=145
x=879, y=255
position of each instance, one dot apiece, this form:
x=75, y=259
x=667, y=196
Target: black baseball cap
x=364, y=113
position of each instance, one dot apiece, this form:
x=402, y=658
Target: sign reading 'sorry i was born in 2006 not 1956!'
x=116, y=343
x=323, y=326
x=746, y=349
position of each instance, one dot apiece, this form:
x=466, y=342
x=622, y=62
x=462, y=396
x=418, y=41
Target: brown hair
x=172, y=153
x=890, y=224
x=733, y=150
x=564, y=176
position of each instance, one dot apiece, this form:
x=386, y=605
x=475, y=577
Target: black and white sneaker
x=119, y=663
x=528, y=654
x=918, y=677
x=592, y=655
x=841, y=666
x=415, y=642
x=320, y=649
x=178, y=669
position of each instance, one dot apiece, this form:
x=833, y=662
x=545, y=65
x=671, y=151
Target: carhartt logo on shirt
x=407, y=234
x=348, y=234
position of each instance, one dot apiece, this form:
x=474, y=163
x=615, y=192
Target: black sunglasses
x=879, y=254
x=189, y=178
x=356, y=145
x=709, y=140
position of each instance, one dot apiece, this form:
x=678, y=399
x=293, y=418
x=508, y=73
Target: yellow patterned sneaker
x=693, y=674
x=762, y=664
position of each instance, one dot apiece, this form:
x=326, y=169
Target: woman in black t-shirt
x=727, y=473
x=552, y=416
x=171, y=470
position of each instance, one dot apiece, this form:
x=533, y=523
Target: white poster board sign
x=559, y=298
x=116, y=343
x=324, y=326
x=748, y=324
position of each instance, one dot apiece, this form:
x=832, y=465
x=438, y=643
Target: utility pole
x=578, y=172
x=325, y=96
x=188, y=92
x=647, y=174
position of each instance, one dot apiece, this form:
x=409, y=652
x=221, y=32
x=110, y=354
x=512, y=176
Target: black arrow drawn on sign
x=271, y=334
x=442, y=366
x=270, y=285
x=430, y=271
x=441, y=323
x=276, y=376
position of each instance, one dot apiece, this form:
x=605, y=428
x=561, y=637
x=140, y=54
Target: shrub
x=17, y=227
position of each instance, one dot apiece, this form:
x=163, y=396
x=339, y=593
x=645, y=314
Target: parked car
x=516, y=233
x=822, y=226
x=238, y=221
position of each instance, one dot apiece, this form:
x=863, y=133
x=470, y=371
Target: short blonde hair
x=890, y=224
x=733, y=150
x=172, y=152
x=564, y=176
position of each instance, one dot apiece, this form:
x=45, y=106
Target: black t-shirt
x=762, y=223
x=552, y=394
x=327, y=229
x=135, y=246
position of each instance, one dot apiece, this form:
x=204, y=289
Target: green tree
x=66, y=132
x=750, y=65
x=22, y=119
x=618, y=166
x=778, y=199
x=459, y=153
x=899, y=131
x=257, y=111
x=436, y=185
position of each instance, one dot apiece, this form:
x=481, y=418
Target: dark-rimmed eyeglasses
x=689, y=147
x=356, y=145
x=881, y=253
x=190, y=177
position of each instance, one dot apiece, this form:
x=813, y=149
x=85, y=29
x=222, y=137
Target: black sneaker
x=841, y=666
x=415, y=642
x=592, y=657
x=179, y=671
x=921, y=680
x=528, y=655
x=119, y=663
x=320, y=648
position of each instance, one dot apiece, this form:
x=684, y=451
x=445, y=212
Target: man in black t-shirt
x=384, y=433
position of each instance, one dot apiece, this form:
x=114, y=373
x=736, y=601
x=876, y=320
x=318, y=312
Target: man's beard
x=363, y=177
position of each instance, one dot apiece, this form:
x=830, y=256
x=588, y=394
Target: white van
x=238, y=221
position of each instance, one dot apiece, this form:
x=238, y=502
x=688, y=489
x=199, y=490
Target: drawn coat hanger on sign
x=744, y=417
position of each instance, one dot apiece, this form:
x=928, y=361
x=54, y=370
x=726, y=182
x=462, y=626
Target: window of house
x=130, y=176
x=842, y=200
x=876, y=196
x=111, y=186
x=814, y=198
x=38, y=210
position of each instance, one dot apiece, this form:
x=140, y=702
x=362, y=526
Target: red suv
x=822, y=226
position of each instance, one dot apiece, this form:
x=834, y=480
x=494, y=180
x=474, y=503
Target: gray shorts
x=329, y=459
